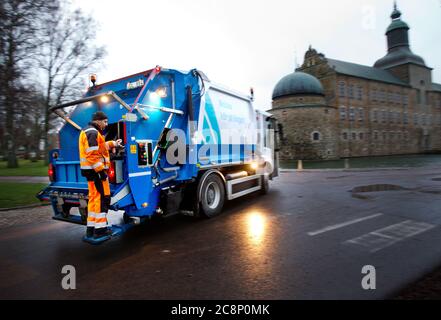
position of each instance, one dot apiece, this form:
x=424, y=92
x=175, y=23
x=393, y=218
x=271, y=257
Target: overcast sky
x=253, y=43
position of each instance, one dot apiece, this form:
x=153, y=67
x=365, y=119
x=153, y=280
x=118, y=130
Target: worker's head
x=100, y=119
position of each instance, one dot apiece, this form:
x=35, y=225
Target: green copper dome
x=397, y=24
x=298, y=83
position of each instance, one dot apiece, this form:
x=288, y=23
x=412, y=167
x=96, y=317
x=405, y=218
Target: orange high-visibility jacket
x=94, y=150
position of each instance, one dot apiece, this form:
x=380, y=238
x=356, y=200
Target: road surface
x=309, y=238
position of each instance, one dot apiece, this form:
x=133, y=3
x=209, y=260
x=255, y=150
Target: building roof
x=298, y=83
x=366, y=72
x=436, y=87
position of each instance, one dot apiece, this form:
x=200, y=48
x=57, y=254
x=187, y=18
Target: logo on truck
x=134, y=85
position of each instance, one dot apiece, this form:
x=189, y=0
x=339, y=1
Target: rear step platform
x=117, y=230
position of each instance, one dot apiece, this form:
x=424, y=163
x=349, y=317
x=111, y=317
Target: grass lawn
x=14, y=194
x=26, y=168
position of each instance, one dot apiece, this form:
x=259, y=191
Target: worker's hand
x=102, y=174
x=118, y=143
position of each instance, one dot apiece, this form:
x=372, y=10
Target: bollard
x=346, y=163
x=299, y=165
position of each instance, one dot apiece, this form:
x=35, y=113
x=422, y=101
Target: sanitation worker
x=94, y=163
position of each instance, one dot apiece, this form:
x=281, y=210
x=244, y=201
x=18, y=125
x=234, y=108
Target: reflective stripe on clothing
x=96, y=165
x=99, y=225
x=91, y=219
x=92, y=149
x=99, y=202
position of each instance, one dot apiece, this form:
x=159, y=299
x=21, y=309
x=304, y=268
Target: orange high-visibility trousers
x=99, y=202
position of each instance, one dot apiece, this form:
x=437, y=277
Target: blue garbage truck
x=189, y=146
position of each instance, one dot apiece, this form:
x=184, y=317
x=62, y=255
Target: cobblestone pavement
x=26, y=216
x=25, y=179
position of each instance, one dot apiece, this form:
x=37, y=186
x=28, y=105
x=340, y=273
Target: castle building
x=331, y=109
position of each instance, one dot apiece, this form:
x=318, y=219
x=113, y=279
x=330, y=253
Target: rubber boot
x=90, y=232
x=102, y=232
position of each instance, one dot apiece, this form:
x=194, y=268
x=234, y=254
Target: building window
x=342, y=113
x=360, y=93
x=351, y=114
x=399, y=135
x=345, y=136
x=384, y=135
x=390, y=97
x=374, y=95
x=351, y=91
x=382, y=96
x=375, y=135
x=360, y=114
x=423, y=119
x=383, y=116
x=397, y=98
x=315, y=136
x=391, y=117
x=354, y=136
x=415, y=119
x=341, y=89
x=405, y=118
x=375, y=116
x=405, y=99
x=361, y=136
x=392, y=135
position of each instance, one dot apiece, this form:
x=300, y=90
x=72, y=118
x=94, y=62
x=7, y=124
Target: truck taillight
x=51, y=172
x=111, y=173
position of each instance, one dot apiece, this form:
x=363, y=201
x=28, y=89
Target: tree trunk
x=46, y=136
x=10, y=140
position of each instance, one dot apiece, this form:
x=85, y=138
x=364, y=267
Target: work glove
x=118, y=143
x=102, y=174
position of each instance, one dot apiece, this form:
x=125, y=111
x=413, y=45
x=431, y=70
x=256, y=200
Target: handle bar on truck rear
x=56, y=109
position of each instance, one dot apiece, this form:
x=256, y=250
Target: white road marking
x=385, y=237
x=341, y=225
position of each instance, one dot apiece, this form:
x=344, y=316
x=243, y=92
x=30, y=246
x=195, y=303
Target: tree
x=18, y=43
x=68, y=53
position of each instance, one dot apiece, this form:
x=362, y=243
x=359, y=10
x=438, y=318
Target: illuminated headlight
x=254, y=165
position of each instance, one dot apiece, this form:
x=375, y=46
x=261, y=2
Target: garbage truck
x=190, y=145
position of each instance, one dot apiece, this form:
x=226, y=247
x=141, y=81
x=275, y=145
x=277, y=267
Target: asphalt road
x=309, y=238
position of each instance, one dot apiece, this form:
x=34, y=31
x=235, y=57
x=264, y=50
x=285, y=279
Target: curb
x=360, y=169
x=25, y=207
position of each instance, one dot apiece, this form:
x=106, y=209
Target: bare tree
x=18, y=42
x=68, y=53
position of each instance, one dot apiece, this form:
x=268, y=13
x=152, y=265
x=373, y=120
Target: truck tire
x=212, y=195
x=65, y=212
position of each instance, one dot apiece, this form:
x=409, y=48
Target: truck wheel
x=65, y=210
x=212, y=195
